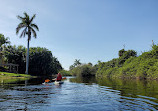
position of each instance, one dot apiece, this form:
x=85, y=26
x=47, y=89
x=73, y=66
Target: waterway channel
x=79, y=94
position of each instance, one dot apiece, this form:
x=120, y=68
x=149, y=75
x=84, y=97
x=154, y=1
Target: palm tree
x=77, y=62
x=28, y=29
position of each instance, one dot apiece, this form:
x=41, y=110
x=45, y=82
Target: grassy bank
x=13, y=75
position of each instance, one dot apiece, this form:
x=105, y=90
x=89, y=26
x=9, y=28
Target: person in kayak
x=59, y=77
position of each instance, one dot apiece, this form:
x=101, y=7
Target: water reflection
x=87, y=80
x=135, y=91
x=131, y=87
x=127, y=87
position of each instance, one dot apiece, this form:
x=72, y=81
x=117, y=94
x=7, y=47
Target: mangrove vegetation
x=130, y=65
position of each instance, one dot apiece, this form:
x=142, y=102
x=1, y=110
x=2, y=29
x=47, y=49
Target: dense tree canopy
x=42, y=62
x=130, y=65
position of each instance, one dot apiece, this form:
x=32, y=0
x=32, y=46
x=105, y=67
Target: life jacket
x=59, y=77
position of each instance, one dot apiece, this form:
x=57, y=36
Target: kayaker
x=59, y=77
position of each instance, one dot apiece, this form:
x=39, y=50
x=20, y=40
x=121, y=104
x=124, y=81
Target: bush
x=84, y=70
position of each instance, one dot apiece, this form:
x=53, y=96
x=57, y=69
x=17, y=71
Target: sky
x=89, y=30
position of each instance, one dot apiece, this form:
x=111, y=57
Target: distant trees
x=76, y=63
x=28, y=28
x=79, y=69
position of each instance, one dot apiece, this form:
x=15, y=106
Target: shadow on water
x=11, y=82
x=21, y=93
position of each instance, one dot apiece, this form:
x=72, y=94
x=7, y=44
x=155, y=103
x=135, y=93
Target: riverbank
x=129, y=65
x=14, y=75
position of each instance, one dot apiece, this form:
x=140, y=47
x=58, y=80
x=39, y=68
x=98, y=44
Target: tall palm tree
x=28, y=28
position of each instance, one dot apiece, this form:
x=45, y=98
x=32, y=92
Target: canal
x=79, y=94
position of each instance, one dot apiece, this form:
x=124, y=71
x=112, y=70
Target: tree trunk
x=27, y=57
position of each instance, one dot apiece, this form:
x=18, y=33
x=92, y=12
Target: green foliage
x=65, y=73
x=42, y=61
x=76, y=63
x=16, y=55
x=84, y=70
x=6, y=74
x=3, y=40
x=130, y=66
x=121, y=52
x=126, y=55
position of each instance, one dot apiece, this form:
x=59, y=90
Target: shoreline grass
x=14, y=75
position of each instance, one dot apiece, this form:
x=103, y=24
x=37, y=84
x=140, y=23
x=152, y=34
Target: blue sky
x=89, y=30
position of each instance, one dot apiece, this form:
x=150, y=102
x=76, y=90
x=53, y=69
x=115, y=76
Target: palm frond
x=20, y=18
x=27, y=26
x=26, y=15
x=32, y=18
x=23, y=33
x=34, y=32
x=20, y=26
x=26, y=18
x=35, y=26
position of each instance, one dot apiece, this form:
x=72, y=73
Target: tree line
x=127, y=65
x=41, y=60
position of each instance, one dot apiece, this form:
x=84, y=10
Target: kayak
x=58, y=82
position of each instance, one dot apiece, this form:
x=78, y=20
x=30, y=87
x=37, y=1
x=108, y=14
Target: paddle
x=47, y=80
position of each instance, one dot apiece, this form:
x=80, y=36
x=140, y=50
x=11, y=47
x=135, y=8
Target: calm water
x=79, y=94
